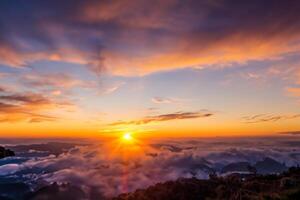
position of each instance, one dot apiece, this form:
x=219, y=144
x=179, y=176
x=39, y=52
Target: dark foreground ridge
x=233, y=187
x=5, y=152
x=283, y=186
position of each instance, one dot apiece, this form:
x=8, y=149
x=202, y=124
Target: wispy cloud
x=164, y=100
x=27, y=98
x=2, y=89
x=164, y=117
x=54, y=80
x=294, y=91
x=28, y=107
x=109, y=89
x=290, y=133
x=268, y=118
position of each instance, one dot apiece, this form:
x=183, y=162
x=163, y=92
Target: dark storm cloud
x=164, y=117
x=113, y=33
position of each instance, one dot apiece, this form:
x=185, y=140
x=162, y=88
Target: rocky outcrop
x=6, y=152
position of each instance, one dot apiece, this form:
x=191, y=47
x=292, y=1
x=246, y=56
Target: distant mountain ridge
x=269, y=165
x=236, y=167
x=55, y=148
x=265, y=166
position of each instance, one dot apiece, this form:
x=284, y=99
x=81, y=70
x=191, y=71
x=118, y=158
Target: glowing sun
x=127, y=137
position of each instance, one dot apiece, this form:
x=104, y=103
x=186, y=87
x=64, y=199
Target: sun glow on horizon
x=126, y=146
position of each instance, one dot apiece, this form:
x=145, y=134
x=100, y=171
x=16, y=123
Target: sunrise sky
x=152, y=68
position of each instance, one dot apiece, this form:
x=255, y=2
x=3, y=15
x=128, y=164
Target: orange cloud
x=27, y=107
x=191, y=53
x=186, y=40
x=164, y=117
x=268, y=118
x=291, y=133
x=294, y=91
x=140, y=37
x=162, y=100
x=11, y=57
x=139, y=14
x=19, y=59
x=56, y=80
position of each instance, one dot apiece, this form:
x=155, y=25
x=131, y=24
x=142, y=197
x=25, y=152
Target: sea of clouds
x=90, y=167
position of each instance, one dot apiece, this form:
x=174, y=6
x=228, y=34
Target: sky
x=152, y=68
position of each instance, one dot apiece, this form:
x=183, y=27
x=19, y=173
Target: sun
x=127, y=145
x=127, y=137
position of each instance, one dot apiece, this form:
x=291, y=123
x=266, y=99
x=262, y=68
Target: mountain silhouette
x=269, y=166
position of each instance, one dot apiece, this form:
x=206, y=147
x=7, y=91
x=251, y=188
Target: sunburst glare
x=127, y=137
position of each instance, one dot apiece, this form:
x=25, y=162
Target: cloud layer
x=140, y=37
x=94, y=166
